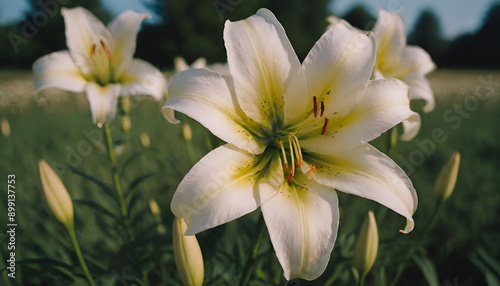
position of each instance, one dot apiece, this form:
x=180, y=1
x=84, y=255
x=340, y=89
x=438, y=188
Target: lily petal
x=418, y=60
x=102, y=101
x=421, y=89
x=124, y=30
x=224, y=185
x=389, y=32
x=411, y=126
x=83, y=31
x=302, y=221
x=338, y=68
x=384, y=105
x=261, y=60
x=368, y=173
x=57, y=70
x=209, y=98
x=142, y=78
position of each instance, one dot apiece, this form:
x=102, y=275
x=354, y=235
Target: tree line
x=194, y=28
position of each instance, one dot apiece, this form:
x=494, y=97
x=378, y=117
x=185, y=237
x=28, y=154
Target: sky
x=457, y=16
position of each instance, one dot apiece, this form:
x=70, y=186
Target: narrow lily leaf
x=489, y=276
x=428, y=269
x=140, y=179
x=98, y=208
x=101, y=184
x=490, y=261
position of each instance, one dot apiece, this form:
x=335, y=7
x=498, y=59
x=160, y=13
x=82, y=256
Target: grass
x=463, y=245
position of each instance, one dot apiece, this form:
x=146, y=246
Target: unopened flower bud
x=392, y=138
x=155, y=210
x=447, y=178
x=186, y=132
x=365, y=251
x=187, y=255
x=126, y=123
x=57, y=196
x=5, y=126
x=125, y=102
x=145, y=139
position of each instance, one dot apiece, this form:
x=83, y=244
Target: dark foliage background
x=194, y=28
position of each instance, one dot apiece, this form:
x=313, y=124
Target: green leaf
x=45, y=261
x=140, y=179
x=132, y=158
x=490, y=261
x=489, y=276
x=101, y=184
x=98, y=208
x=428, y=269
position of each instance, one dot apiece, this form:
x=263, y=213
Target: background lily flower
x=295, y=133
x=181, y=65
x=99, y=61
x=397, y=60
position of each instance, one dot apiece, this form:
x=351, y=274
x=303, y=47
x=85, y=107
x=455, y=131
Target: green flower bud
x=155, y=210
x=447, y=178
x=126, y=123
x=187, y=255
x=57, y=196
x=125, y=101
x=365, y=251
x=145, y=139
x=186, y=132
x=5, y=126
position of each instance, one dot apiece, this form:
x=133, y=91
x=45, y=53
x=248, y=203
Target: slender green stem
x=362, y=280
x=247, y=270
x=419, y=242
x=116, y=181
x=72, y=235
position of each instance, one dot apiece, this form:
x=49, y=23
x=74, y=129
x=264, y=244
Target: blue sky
x=457, y=16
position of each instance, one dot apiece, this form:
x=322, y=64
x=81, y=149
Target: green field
x=461, y=249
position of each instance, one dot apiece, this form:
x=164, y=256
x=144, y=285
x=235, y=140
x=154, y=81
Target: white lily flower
x=397, y=60
x=99, y=62
x=296, y=133
x=181, y=65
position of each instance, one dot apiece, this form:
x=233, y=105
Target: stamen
x=297, y=150
x=315, y=102
x=312, y=170
x=92, y=51
x=324, y=126
x=292, y=157
x=285, y=161
x=108, y=52
x=322, y=108
x=310, y=174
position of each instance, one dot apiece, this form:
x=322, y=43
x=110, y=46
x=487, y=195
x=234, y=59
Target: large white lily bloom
x=296, y=133
x=99, y=61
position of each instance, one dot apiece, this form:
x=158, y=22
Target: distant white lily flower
x=397, y=60
x=295, y=133
x=99, y=62
x=181, y=65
